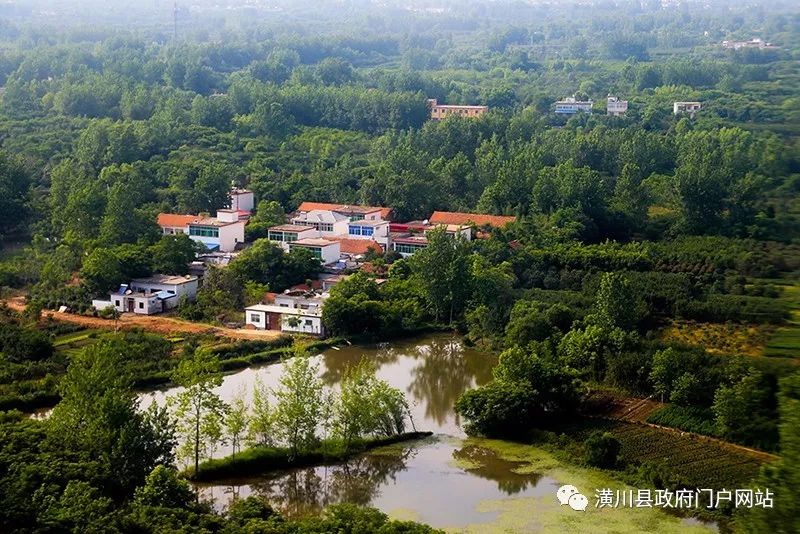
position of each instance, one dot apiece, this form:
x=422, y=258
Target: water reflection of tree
x=445, y=372
x=496, y=469
x=302, y=492
x=336, y=362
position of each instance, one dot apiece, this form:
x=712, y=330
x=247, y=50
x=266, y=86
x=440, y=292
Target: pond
x=447, y=480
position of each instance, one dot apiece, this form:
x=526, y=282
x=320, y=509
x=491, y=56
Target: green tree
x=261, y=429
x=443, y=271
x=199, y=410
x=172, y=254
x=14, y=187
x=617, y=303
x=782, y=477
x=299, y=404
x=236, y=423
x=99, y=418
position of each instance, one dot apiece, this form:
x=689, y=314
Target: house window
x=203, y=231
x=116, y=303
x=325, y=227
x=354, y=230
x=141, y=305
x=284, y=305
x=367, y=231
x=404, y=248
x=255, y=318
x=309, y=322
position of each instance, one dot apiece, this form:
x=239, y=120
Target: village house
x=243, y=202
x=326, y=222
x=147, y=296
x=571, y=106
x=327, y=251
x=294, y=311
x=353, y=213
x=316, y=225
x=287, y=233
x=755, y=42
x=408, y=238
x=442, y=111
x=689, y=108
x=616, y=107
x=220, y=233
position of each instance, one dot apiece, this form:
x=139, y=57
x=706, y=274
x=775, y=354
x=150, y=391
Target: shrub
x=602, y=450
x=498, y=409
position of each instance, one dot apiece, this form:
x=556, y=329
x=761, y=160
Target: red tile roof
x=310, y=206
x=315, y=284
x=174, y=220
x=478, y=219
x=356, y=246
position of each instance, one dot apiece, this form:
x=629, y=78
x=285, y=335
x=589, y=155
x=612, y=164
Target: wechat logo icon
x=570, y=495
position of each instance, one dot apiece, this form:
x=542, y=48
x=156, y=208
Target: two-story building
x=222, y=232
x=442, y=111
x=326, y=222
x=287, y=233
x=616, y=107
x=377, y=231
x=352, y=212
x=688, y=108
x=571, y=106
x=292, y=311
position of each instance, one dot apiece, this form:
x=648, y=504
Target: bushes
x=498, y=409
x=19, y=344
x=602, y=450
x=722, y=308
x=527, y=390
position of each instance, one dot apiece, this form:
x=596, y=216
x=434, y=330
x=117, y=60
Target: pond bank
x=263, y=460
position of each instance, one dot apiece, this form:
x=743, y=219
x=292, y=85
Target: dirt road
x=152, y=323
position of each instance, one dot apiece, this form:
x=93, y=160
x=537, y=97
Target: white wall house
x=326, y=222
x=155, y=294
x=326, y=251
x=242, y=200
x=616, y=107
x=690, y=108
x=406, y=246
x=376, y=230
x=220, y=233
x=570, y=106
x=288, y=233
x=296, y=312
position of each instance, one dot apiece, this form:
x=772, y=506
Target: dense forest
x=653, y=254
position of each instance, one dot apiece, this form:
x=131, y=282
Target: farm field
x=785, y=341
x=694, y=461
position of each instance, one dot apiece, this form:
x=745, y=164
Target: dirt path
x=152, y=323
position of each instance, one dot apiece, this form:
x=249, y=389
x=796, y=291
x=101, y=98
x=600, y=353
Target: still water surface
x=427, y=480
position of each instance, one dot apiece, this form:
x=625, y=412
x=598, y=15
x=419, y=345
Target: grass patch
x=260, y=460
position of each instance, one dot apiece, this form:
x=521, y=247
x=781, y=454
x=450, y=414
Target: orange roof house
x=356, y=247
x=465, y=219
x=174, y=220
